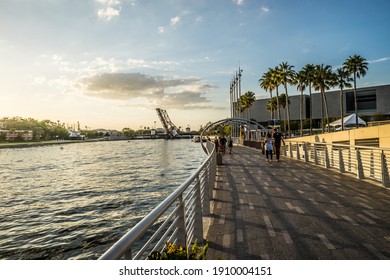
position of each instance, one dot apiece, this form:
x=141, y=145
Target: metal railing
x=365, y=162
x=178, y=219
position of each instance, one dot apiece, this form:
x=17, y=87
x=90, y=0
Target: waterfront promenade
x=295, y=210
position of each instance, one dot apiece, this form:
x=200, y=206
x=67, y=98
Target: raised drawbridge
x=171, y=129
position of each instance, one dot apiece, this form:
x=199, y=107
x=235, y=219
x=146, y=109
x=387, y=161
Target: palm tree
x=275, y=78
x=287, y=75
x=283, y=103
x=323, y=80
x=246, y=101
x=267, y=84
x=309, y=73
x=271, y=106
x=342, y=81
x=300, y=80
x=357, y=66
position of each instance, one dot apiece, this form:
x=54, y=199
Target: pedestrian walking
x=222, y=144
x=230, y=144
x=269, y=146
x=278, y=139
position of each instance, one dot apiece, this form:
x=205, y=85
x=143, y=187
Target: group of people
x=221, y=143
x=272, y=143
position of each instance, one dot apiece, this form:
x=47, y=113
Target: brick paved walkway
x=295, y=210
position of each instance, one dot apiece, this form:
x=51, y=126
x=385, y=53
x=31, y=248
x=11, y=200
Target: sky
x=111, y=63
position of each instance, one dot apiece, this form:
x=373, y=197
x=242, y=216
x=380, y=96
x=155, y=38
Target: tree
x=267, y=84
x=246, y=101
x=324, y=79
x=309, y=73
x=342, y=81
x=128, y=132
x=287, y=75
x=272, y=105
x=357, y=66
x=275, y=78
x=283, y=103
x=300, y=81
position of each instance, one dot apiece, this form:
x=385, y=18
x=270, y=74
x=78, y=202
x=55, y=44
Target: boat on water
x=197, y=138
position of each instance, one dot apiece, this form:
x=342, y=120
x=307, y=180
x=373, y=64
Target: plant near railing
x=178, y=252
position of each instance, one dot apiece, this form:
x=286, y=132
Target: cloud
x=239, y=2
x=175, y=20
x=170, y=93
x=108, y=13
x=264, y=10
x=111, y=9
x=379, y=60
x=161, y=30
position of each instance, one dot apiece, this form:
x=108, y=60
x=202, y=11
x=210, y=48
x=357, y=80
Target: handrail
x=178, y=217
x=363, y=161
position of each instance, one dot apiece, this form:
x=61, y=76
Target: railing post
x=305, y=147
x=290, y=149
x=331, y=153
x=213, y=171
x=128, y=255
x=315, y=154
x=198, y=218
x=298, y=154
x=181, y=224
x=206, y=190
x=372, y=164
x=326, y=157
x=359, y=165
x=341, y=161
x=385, y=175
x=283, y=150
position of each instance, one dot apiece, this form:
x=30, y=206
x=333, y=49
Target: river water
x=74, y=201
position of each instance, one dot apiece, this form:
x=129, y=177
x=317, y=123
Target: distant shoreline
x=18, y=145
x=43, y=143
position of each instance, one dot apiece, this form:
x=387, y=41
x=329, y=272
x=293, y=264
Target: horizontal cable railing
x=178, y=219
x=365, y=162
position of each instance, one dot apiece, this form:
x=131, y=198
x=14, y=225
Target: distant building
x=76, y=135
x=373, y=104
x=14, y=135
x=160, y=130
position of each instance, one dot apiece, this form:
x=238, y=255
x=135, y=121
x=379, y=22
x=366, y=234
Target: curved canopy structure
x=248, y=124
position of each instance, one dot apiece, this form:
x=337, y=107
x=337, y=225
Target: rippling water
x=74, y=201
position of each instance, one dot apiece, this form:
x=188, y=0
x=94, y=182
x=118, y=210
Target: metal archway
x=234, y=121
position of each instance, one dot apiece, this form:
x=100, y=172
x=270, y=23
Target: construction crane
x=171, y=129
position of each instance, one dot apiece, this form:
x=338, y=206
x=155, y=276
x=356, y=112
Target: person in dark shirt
x=222, y=143
x=278, y=139
x=230, y=144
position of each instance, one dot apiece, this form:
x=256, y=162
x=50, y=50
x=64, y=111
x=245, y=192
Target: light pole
x=235, y=95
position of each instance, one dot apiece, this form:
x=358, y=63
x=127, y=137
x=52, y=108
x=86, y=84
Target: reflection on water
x=74, y=201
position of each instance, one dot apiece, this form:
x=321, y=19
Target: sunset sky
x=110, y=63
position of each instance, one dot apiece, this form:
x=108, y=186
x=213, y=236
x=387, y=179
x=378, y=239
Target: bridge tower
x=170, y=128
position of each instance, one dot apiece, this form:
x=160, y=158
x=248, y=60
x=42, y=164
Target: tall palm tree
x=287, y=75
x=283, y=103
x=271, y=106
x=357, y=66
x=342, y=81
x=323, y=80
x=246, y=101
x=300, y=81
x=275, y=78
x=309, y=73
x=267, y=84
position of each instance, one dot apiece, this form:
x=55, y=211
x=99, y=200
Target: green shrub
x=178, y=252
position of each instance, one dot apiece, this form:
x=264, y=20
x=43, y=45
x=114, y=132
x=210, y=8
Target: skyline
x=111, y=63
